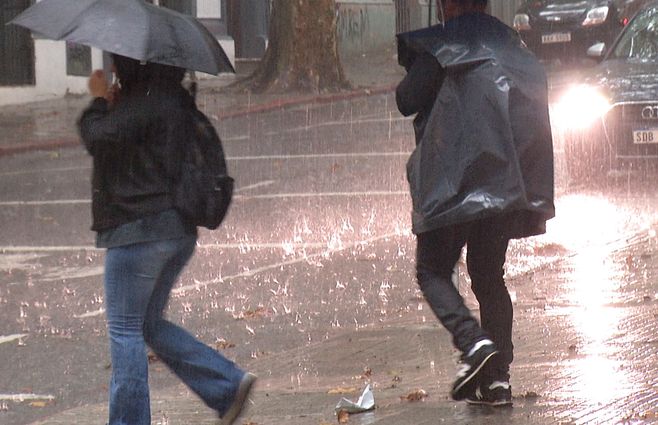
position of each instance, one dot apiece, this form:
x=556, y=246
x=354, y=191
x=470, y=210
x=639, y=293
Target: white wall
x=51, y=80
x=209, y=9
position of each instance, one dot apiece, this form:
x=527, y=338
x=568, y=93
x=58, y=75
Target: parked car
x=628, y=9
x=609, y=120
x=565, y=29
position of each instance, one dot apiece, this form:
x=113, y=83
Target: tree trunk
x=302, y=54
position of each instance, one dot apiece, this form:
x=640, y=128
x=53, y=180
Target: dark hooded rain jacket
x=484, y=144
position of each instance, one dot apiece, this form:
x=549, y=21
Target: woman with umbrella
x=135, y=135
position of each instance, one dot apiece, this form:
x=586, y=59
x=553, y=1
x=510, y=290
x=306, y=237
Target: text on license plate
x=643, y=137
x=558, y=37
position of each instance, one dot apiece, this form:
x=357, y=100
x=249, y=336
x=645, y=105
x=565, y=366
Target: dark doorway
x=248, y=23
x=183, y=6
x=16, y=46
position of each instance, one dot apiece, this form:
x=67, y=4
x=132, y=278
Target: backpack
x=204, y=191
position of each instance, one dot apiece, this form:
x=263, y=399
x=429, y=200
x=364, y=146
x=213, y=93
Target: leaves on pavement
x=416, y=395
x=343, y=390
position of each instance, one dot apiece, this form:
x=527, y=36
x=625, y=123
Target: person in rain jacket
x=135, y=139
x=480, y=175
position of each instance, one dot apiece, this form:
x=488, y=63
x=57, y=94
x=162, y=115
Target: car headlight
x=521, y=22
x=579, y=108
x=596, y=16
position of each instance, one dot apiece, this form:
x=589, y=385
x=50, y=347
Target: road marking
x=256, y=185
x=344, y=123
x=236, y=197
x=325, y=194
x=249, y=273
x=319, y=156
x=6, y=249
x=25, y=397
x=94, y=313
x=46, y=170
x=231, y=158
x=237, y=245
x=10, y=338
x=52, y=202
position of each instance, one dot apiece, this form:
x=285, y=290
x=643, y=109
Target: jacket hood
x=486, y=149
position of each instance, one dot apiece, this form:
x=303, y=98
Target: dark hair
x=135, y=76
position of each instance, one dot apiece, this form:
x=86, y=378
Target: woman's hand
x=97, y=84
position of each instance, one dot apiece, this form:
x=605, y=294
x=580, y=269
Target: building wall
x=504, y=9
x=365, y=25
x=51, y=79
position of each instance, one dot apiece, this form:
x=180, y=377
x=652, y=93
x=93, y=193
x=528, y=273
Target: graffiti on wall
x=352, y=24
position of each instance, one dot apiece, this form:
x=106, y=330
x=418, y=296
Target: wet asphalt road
x=310, y=283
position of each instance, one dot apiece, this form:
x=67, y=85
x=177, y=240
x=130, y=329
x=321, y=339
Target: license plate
x=558, y=37
x=645, y=137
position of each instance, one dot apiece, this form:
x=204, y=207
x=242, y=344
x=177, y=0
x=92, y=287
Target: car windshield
x=640, y=39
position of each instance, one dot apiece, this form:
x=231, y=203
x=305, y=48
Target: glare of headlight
x=521, y=22
x=596, y=16
x=580, y=107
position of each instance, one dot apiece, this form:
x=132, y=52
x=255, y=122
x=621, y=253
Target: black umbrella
x=130, y=28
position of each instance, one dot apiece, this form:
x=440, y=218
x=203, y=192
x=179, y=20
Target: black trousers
x=437, y=254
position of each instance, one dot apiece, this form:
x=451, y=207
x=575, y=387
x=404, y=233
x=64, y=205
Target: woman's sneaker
x=496, y=394
x=471, y=365
x=241, y=395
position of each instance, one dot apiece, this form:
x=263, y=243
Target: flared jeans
x=138, y=281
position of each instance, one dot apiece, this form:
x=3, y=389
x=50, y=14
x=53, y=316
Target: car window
x=640, y=39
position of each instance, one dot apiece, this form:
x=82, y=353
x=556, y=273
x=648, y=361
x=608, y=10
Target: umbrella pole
x=439, y=4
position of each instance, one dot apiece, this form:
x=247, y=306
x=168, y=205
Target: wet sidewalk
x=50, y=124
x=585, y=354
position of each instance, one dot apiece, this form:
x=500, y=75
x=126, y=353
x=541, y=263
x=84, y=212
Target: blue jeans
x=138, y=281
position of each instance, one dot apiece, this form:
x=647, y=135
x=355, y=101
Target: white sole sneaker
x=238, y=404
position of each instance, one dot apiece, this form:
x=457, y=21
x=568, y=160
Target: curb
x=255, y=109
x=38, y=146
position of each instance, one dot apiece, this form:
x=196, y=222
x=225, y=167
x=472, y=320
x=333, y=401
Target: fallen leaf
x=343, y=416
x=252, y=314
x=343, y=390
x=417, y=395
x=530, y=394
x=223, y=344
x=39, y=403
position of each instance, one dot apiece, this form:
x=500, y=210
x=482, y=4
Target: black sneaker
x=496, y=394
x=471, y=364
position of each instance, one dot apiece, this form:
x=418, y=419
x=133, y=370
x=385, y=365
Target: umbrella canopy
x=130, y=28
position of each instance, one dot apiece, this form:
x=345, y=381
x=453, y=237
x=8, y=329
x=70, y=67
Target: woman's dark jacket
x=484, y=143
x=135, y=147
